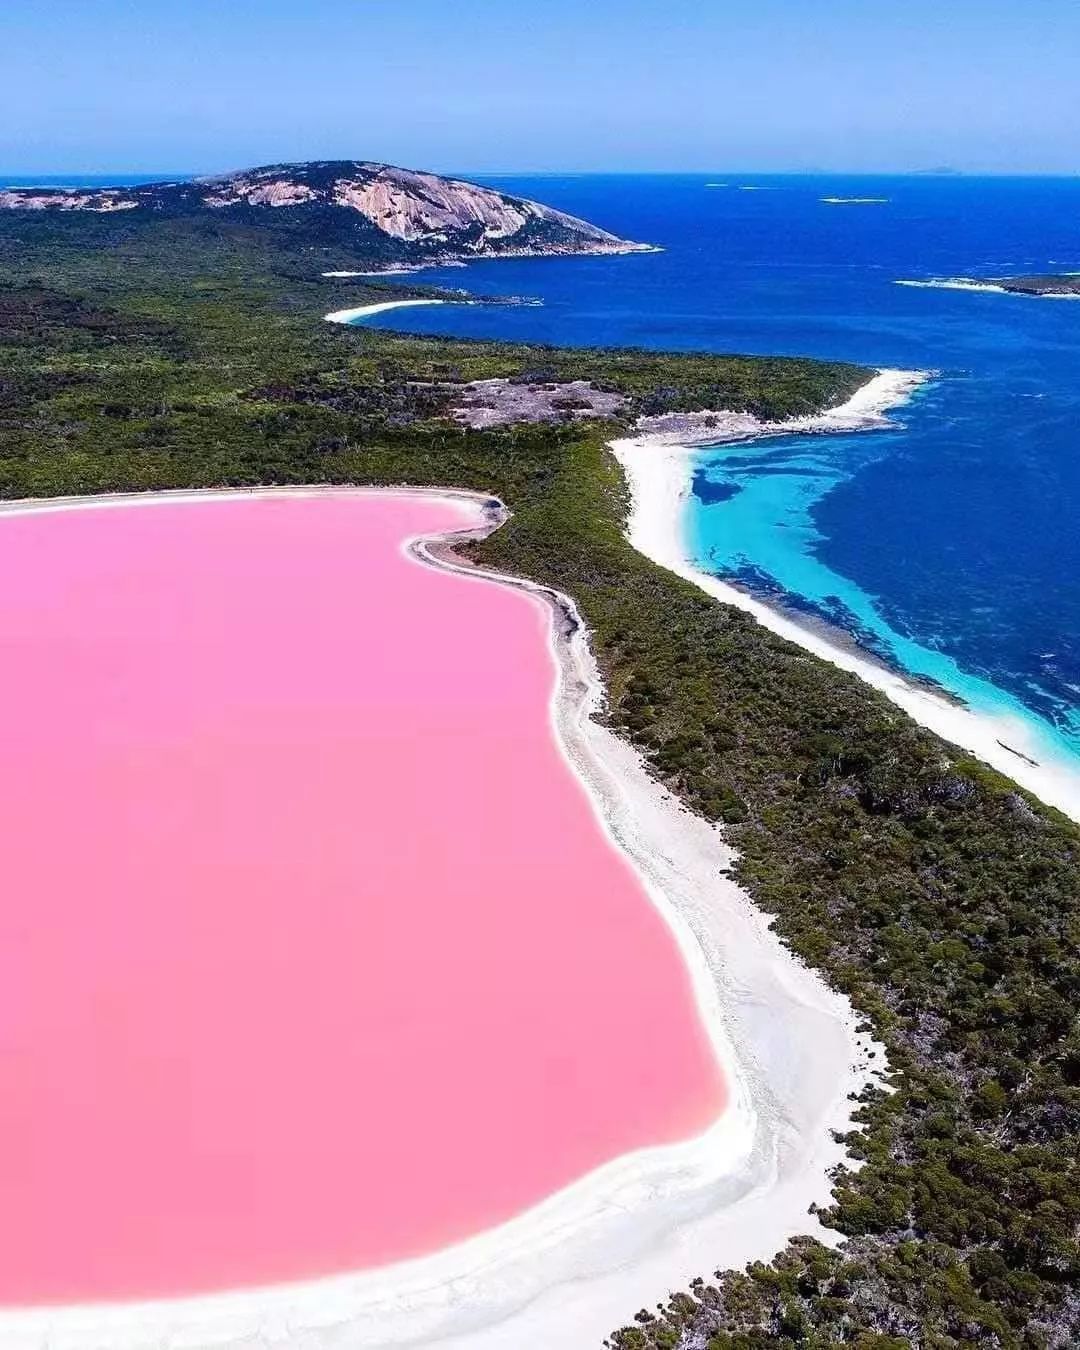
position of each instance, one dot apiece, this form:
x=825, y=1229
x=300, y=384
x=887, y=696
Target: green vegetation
x=939, y=897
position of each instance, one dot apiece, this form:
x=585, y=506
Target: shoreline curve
x=659, y=472
x=581, y=1262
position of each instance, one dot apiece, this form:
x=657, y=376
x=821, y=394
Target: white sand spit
x=367, y=311
x=659, y=470
x=570, y=1270
x=376, y=272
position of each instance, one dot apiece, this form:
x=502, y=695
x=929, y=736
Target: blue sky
x=560, y=85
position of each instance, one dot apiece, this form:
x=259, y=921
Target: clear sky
x=500, y=85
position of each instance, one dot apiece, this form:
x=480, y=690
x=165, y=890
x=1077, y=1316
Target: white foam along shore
x=659, y=470
x=367, y=311
x=569, y=1271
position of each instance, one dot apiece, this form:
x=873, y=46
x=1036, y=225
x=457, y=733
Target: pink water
x=312, y=953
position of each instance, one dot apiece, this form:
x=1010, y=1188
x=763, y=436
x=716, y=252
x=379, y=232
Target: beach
x=659, y=470
x=581, y=1262
x=376, y=272
x=367, y=311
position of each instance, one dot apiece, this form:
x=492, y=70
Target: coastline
x=659, y=472
x=583, y=1261
x=622, y=250
x=513, y=254
x=865, y=410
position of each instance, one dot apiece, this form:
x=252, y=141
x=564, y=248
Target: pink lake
x=313, y=954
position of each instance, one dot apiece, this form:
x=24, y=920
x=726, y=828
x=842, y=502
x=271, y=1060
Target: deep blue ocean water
x=951, y=546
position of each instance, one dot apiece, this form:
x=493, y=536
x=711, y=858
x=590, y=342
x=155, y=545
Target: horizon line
x=165, y=175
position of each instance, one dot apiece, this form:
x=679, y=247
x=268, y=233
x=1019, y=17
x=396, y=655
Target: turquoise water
x=952, y=547
x=752, y=520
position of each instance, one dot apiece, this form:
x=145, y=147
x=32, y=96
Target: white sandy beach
x=366, y=311
x=404, y=270
x=570, y=1270
x=659, y=470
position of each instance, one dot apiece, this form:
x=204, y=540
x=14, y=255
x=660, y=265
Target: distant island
x=388, y=215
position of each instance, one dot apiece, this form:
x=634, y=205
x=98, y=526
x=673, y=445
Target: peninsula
x=173, y=338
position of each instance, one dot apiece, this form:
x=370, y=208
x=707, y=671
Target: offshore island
x=170, y=338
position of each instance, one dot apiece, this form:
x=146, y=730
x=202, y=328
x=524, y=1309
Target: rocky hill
x=395, y=214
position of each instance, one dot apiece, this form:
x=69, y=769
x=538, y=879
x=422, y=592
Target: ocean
x=949, y=546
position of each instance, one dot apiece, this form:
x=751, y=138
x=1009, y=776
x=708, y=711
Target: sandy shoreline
x=364, y=311
x=402, y=271
x=515, y=255
x=659, y=471
x=571, y=1269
